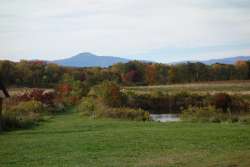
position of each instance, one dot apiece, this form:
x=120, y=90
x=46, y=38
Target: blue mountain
x=230, y=60
x=87, y=59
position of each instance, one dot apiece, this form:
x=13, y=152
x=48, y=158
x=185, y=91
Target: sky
x=156, y=30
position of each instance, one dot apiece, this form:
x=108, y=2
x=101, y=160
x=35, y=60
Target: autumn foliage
x=110, y=94
x=44, y=96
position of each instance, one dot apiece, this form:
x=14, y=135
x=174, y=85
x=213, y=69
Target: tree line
x=43, y=74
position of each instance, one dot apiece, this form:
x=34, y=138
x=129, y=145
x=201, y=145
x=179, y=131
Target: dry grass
x=232, y=87
x=18, y=91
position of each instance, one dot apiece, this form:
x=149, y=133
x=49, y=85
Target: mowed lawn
x=71, y=140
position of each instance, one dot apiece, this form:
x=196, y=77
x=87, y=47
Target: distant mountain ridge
x=230, y=60
x=87, y=59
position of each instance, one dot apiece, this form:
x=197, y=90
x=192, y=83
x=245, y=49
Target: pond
x=165, y=117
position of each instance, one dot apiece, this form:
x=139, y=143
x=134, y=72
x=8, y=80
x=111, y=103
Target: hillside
x=230, y=60
x=89, y=60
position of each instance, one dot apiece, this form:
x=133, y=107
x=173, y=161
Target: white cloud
x=60, y=28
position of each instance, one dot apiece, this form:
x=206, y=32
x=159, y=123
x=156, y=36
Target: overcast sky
x=157, y=30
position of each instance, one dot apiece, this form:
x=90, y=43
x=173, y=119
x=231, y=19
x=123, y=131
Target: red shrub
x=64, y=89
x=222, y=101
x=44, y=96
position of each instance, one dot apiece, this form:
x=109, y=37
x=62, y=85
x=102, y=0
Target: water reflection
x=165, y=117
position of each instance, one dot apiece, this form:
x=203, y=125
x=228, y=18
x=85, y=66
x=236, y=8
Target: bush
x=43, y=96
x=109, y=93
x=164, y=103
x=222, y=101
x=239, y=105
x=26, y=107
x=245, y=119
x=48, y=98
x=71, y=91
x=208, y=114
x=176, y=103
x=22, y=115
x=229, y=103
x=96, y=108
x=16, y=120
x=126, y=113
x=204, y=114
x=87, y=107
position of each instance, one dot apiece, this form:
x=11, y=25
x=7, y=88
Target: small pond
x=165, y=117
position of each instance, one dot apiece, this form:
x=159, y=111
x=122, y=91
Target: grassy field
x=70, y=140
x=231, y=87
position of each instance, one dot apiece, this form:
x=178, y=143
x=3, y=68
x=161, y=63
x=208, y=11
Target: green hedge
x=211, y=114
x=96, y=108
x=176, y=103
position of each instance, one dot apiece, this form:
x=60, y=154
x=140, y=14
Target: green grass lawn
x=70, y=140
